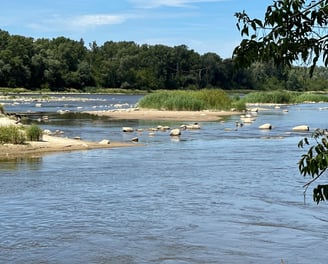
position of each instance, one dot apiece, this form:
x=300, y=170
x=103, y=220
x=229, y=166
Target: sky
x=202, y=25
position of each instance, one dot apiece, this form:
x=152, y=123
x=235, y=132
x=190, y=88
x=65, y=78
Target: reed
x=275, y=97
x=11, y=135
x=34, y=133
x=284, y=97
x=2, y=109
x=310, y=97
x=207, y=99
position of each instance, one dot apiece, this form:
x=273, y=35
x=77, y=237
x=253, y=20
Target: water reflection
x=26, y=163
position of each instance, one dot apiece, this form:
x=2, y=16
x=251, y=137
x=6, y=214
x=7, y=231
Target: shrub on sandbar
x=11, y=135
x=34, y=133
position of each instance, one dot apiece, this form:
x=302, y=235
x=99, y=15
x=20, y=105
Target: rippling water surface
x=217, y=195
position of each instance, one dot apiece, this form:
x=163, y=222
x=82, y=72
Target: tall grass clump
x=2, y=109
x=309, y=97
x=284, y=97
x=34, y=133
x=214, y=99
x=183, y=101
x=207, y=99
x=275, y=97
x=11, y=135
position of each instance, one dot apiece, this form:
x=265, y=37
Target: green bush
x=34, y=133
x=275, y=97
x=2, y=109
x=310, y=97
x=11, y=135
x=214, y=99
x=284, y=97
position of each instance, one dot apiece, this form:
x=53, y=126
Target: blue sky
x=202, y=25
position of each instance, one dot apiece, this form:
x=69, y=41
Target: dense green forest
x=61, y=63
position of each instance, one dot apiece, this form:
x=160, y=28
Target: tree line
x=60, y=63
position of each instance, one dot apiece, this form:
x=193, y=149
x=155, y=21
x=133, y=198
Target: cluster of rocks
x=251, y=115
x=53, y=133
x=173, y=132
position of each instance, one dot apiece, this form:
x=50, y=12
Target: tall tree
x=291, y=30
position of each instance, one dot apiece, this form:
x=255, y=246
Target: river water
x=216, y=195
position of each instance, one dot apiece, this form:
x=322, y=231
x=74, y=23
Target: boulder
x=175, y=132
x=104, y=142
x=301, y=128
x=127, y=129
x=135, y=139
x=265, y=126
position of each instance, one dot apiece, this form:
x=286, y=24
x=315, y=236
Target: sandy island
x=60, y=144
x=51, y=144
x=157, y=115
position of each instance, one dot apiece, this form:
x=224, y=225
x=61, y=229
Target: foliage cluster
x=284, y=97
x=209, y=99
x=34, y=133
x=290, y=31
x=314, y=163
x=18, y=135
x=11, y=134
x=61, y=63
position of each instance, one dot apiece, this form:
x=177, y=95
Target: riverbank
x=148, y=114
x=51, y=144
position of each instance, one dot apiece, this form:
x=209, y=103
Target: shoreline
x=53, y=144
x=164, y=115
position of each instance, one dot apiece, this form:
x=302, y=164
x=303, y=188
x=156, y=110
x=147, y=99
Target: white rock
x=47, y=132
x=301, y=128
x=175, y=132
x=127, y=129
x=104, y=142
x=265, y=126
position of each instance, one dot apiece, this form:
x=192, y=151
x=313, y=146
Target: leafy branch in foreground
x=315, y=163
x=290, y=31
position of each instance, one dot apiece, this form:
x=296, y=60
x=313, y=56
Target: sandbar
x=158, y=115
x=51, y=144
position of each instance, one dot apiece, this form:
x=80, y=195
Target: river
x=216, y=195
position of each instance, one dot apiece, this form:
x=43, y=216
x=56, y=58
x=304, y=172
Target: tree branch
x=313, y=180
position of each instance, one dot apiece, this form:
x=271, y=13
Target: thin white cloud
x=77, y=23
x=169, y=3
x=96, y=20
